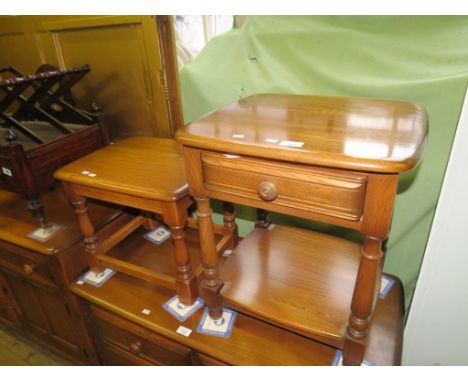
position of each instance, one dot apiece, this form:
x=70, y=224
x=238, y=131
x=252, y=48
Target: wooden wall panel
x=17, y=43
x=127, y=76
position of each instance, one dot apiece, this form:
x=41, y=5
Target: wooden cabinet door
x=44, y=315
x=10, y=313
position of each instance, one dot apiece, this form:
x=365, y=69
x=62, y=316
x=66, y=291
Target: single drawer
x=204, y=360
x=335, y=193
x=115, y=356
x=143, y=344
x=27, y=264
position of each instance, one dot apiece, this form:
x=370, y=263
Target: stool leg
x=211, y=284
x=263, y=219
x=363, y=302
x=149, y=223
x=230, y=226
x=37, y=211
x=186, y=282
x=87, y=230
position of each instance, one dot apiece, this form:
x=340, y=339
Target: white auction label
x=291, y=144
x=184, y=331
x=7, y=171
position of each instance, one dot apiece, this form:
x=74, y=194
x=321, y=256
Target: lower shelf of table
x=299, y=279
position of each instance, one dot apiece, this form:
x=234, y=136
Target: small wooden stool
x=148, y=174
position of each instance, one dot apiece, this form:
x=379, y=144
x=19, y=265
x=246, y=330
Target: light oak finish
x=349, y=133
x=309, y=190
x=115, y=313
x=144, y=173
x=143, y=167
x=299, y=279
x=335, y=160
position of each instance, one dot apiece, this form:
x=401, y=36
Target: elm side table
x=331, y=159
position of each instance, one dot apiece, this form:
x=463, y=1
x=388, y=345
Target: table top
x=16, y=221
x=384, y=136
x=146, y=167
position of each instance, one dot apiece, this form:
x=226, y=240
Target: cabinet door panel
x=126, y=76
x=28, y=303
x=9, y=310
x=57, y=314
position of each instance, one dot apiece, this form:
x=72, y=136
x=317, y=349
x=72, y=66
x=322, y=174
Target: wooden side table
x=330, y=159
x=148, y=174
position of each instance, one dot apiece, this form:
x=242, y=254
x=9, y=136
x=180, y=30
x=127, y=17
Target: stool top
x=146, y=167
x=351, y=133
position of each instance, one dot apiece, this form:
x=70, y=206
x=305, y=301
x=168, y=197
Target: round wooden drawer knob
x=135, y=348
x=28, y=269
x=267, y=191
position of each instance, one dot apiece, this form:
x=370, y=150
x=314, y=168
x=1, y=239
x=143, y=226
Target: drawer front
x=24, y=263
x=335, y=193
x=142, y=344
x=115, y=356
x=205, y=360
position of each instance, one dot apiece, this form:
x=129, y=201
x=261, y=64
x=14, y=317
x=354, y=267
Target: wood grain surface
x=351, y=133
x=144, y=167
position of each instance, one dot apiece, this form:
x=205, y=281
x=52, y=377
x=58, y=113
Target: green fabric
x=420, y=59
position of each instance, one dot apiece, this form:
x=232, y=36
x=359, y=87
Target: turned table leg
x=364, y=298
x=175, y=216
x=263, y=219
x=211, y=284
x=230, y=226
x=186, y=283
x=150, y=223
x=86, y=228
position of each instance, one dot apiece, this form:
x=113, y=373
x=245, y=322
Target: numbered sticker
x=7, y=171
x=291, y=144
x=184, y=331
